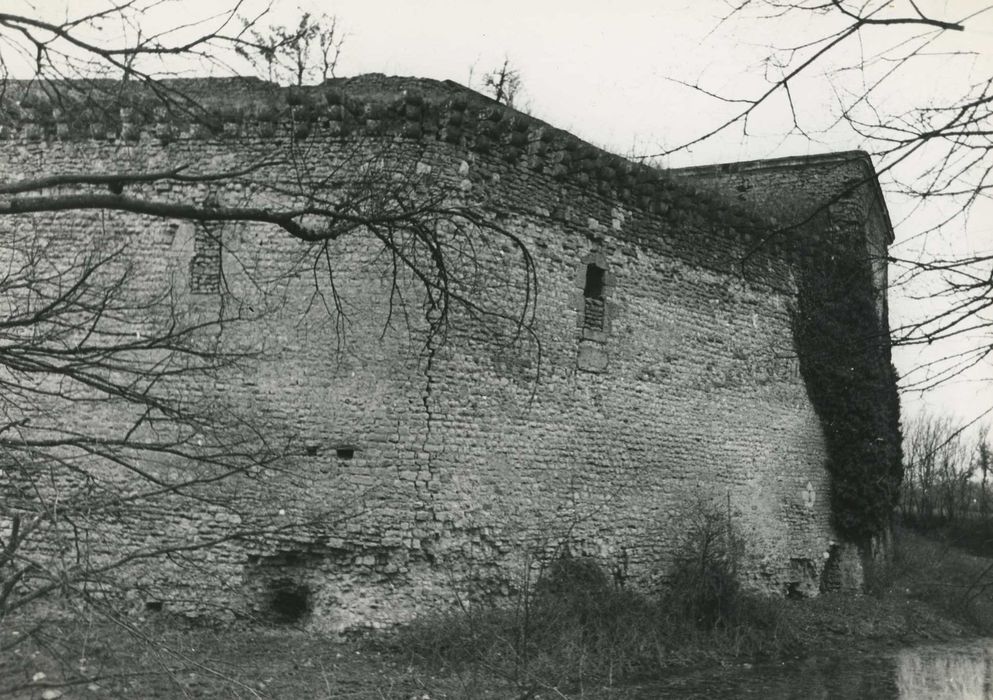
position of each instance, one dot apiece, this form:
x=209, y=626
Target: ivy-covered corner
x=844, y=354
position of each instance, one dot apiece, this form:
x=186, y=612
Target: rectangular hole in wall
x=593, y=289
x=593, y=301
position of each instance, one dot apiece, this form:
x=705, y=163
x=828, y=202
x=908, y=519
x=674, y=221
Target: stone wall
x=661, y=376
x=833, y=195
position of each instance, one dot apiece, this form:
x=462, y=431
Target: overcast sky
x=610, y=73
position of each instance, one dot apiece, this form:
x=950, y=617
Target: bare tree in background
x=937, y=466
x=946, y=477
x=983, y=464
x=503, y=83
x=302, y=55
x=865, y=54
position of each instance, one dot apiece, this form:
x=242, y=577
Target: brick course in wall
x=433, y=469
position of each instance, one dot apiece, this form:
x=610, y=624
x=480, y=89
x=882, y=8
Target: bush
x=571, y=625
x=573, y=577
x=568, y=626
x=703, y=587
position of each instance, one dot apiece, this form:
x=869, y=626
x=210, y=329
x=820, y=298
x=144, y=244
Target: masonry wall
x=833, y=198
x=424, y=469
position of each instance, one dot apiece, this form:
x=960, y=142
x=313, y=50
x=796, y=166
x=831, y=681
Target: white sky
x=606, y=71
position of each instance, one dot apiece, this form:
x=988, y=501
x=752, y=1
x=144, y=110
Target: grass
x=934, y=570
x=598, y=636
x=569, y=634
x=576, y=632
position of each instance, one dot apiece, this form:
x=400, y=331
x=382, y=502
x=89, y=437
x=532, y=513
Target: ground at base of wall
x=912, y=603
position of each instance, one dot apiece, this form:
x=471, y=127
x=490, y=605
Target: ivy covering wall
x=844, y=353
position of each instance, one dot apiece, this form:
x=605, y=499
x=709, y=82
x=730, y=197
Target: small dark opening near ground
x=345, y=452
x=153, y=605
x=289, y=602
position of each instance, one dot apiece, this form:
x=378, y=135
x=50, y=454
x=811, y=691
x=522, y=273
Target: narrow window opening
x=205, y=266
x=345, y=452
x=593, y=302
x=594, y=282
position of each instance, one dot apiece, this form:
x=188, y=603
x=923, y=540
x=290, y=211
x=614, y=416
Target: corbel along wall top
x=368, y=105
x=375, y=105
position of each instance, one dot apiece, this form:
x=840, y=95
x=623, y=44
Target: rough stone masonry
x=660, y=380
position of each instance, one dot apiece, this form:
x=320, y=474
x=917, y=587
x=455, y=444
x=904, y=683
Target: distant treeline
x=947, y=479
